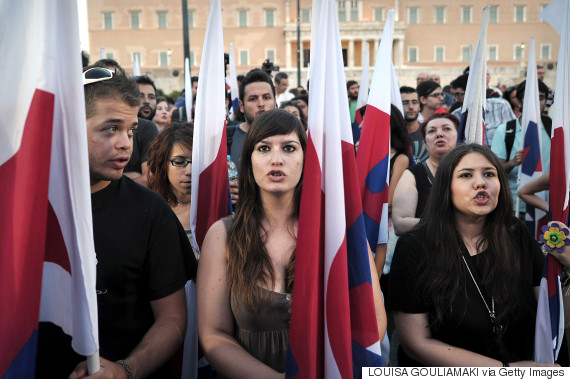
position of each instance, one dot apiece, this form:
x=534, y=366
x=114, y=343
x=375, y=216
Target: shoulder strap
x=510, y=136
x=230, y=130
x=428, y=172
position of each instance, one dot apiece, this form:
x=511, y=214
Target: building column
x=363, y=43
x=287, y=53
x=351, y=53
x=399, y=58
x=302, y=56
x=376, y=46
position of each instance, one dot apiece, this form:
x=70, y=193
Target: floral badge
x=555, y=237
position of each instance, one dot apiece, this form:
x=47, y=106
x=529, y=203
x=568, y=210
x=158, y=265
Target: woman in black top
x=463, y=281
x=440, y=136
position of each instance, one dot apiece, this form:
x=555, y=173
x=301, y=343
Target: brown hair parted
x=159, y=153
x=119, y=88
x=444, y=268
x=248, y=261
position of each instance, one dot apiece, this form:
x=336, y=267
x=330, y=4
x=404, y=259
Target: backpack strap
x=231, y=127
x=510, y=136
x=547, y=123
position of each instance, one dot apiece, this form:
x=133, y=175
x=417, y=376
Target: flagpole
x=93, y=363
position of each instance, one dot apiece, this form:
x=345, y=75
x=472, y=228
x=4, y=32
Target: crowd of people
x=459, y=272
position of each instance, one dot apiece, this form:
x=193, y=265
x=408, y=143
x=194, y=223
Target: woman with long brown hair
x=247, y=262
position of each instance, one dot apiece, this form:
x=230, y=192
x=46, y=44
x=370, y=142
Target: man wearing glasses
x=411, y=106
x=143, y=255
x=431, y=97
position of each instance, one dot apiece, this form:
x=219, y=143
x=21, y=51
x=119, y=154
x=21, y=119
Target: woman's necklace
x=183, y=202
x=497, y=327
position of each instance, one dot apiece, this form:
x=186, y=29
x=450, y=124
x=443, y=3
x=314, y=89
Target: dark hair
x=426, y=87
x=143, y=79
x=303, y=97
x=406, y=89
x=460, y=82
x=521, y=87
x=193, y=79
x=279, y=76
x=159, y=153
x=248, y=261
x=254, y=76
x=119, y=88
x=443, y=272
x=160, y=99
x=108, y=63
x=507, y=95
x=350, y=83
x=295, y=103
x=399, y=137
x=434, y=116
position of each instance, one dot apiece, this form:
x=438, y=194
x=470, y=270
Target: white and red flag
x=550, y=313
x=334, y=332
x=209, y=152
x=46, y=234
x=373, y=158
x=472, y=122
x=532, y=165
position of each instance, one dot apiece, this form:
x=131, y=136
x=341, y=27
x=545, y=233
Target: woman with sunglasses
x=170, y=164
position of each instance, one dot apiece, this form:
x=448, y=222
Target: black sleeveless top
x=423, y=185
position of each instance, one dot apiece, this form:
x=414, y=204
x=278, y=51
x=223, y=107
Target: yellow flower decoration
x=554, y=237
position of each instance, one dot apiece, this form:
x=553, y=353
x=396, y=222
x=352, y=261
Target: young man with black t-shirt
x=143, y=255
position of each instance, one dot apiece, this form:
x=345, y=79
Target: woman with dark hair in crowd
x=511, y=96
x=410, y=196
x=464, y=279
x=162, y=113
x=247, y=262
x=170, y=165
x=293, y=107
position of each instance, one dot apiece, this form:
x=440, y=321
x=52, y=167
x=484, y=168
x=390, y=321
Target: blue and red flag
x=550, y=313
x=334, y=330
x=47, y=255
x=362, y=93
x=532, y=165
x=472, y=121
x=373, y=158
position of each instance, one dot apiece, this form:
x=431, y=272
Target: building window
x=341, y=11
x=108, y=20
x=413, y=15
x=439, y=15
x=136, y=56
x=306, y=57
x=191, y=15
x=378, y=14
x=110, y=55
x=439, y=53
x=305, y=15
x=269, y=17
x=345, y=57
x=413, y=54
x=163, y=59
x=242, y=18
x=493, y=53
x=354, y=10
x=192, y=58
x=518, y=53
x=135, y=20
x=243, y=57
x=162, y=20
x=520, y=13
x=494, y=14
x=465, y=53
x=545, y=49
x=270, y=54
x=466, y=15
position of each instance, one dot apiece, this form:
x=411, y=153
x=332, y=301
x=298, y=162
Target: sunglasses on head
x=96, y=74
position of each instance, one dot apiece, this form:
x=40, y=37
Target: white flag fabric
x=45, y=204
x=232, y=82
x=188, y=94
x=472, y=123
